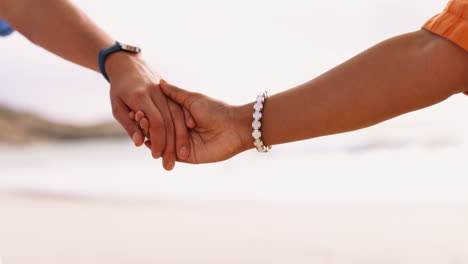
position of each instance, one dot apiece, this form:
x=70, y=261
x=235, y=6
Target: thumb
x=176, y=94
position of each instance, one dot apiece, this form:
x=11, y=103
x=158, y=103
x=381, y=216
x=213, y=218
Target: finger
x=169, y=154
x=121, y=113
x=189, y=121
x=157, y=134
x=177, y=94
x=139, y=115
x=181, y=131
x=144, y=124
x=180, y=96
x=157, y=129
x=131, y=115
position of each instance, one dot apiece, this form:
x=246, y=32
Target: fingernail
x=183, y=152
x=156, y=155
x=135, y=137
x=170, y=165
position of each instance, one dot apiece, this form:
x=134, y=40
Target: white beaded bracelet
x=256, y=124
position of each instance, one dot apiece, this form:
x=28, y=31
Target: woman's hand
x=220, y=131
x=135, y=87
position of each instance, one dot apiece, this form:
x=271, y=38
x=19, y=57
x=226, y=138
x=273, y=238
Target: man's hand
x=135, y=87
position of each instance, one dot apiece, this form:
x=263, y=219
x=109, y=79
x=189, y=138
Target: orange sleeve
x=452, y=23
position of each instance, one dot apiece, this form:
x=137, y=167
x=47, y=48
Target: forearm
x=59, y=27
x=397, y=76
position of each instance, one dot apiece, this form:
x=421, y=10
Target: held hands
x=216, y=131
x=134, y=86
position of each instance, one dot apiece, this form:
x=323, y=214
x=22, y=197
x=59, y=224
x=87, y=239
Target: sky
x=231, y=50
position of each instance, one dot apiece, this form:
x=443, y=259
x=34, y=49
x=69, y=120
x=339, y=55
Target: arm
x=63, y=29
x=399, y=75
x=59, y=27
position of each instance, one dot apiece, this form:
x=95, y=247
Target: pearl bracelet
x=256, y=124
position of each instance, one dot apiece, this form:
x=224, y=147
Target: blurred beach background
x=73, y=189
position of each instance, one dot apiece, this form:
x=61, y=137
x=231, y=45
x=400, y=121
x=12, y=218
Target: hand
x=134, y=87
x=220, y=131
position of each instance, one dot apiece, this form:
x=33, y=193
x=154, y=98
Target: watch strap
x=103, y=55
x=109, y=50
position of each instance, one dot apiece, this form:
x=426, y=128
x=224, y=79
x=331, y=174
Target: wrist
x=243, y=124
x=120, y=63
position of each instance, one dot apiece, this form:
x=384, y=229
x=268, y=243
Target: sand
x=51, y=229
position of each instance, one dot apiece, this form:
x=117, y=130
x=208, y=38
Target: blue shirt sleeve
x=5, y=29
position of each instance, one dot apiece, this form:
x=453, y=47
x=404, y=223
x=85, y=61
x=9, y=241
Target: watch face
x=130, y=48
